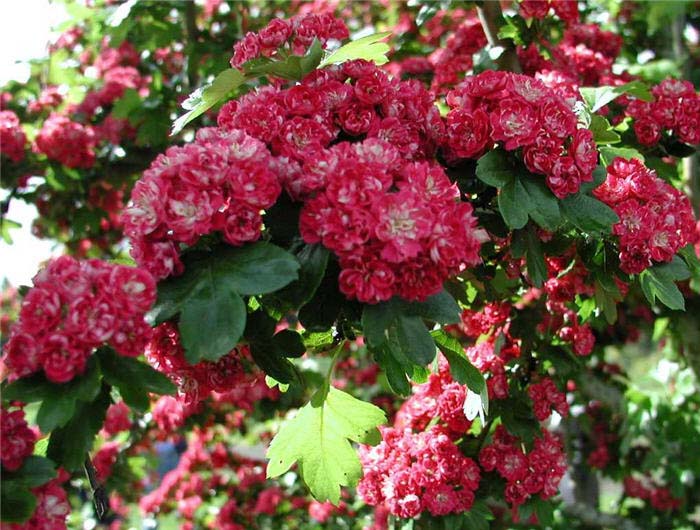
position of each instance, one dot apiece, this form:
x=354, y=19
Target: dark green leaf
x=544, y=511
x=28, y=389
x=289, y=343
x=127, y=104
x=513, y=203
x=536, y=267
x=34, y=472
x=461, y=368
x=55, y=412
x=134, y=379
x=659, y=282
x=440, y=308
x=172, y=293
x=542, y=204
x=212, y=320
x=495, y=169
x=602, y=131
x=415, y=340
x=255, y=269
x=18, y=503
x=294, y=67
x=313, y=260
x=588, y=214
x=68, y=445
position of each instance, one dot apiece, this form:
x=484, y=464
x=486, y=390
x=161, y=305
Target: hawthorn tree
x=422, y=265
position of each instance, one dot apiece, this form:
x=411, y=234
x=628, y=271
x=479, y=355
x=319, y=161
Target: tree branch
x=591, y=517
x=491, y=16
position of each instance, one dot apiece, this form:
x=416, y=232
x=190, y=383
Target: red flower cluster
x=17, y=441
x=546, y=396
x=564, y=282
x=295, y=35
x=441, y=397
x=73, y=308
x=659, y=497
x=12, y=137
x=68, y=142
x=526, y=474
x=405, y=242
x=117, y=419
x=396, y=227
x=656, y=220
x=517, y=111
x=450, y=61
x=195, y=382
x=49, y=98
x=675, y=108
x=567, y=10
x=52, y=507
x=104, y=460
x=490, y=322
x=415, y=472
x=220, y=182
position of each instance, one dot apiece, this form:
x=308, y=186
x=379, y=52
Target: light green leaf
x=597, y=97
x=608, y=154
x=659, y=282
x=318, y=438
x=206, y=97
x=369, y=48
x=602, y=131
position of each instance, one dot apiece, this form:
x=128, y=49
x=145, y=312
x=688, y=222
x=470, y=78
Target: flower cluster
x=75, y=307
x=566, y=10
x=52, y=507
x=296, y=35
x=440, y=397
x=104, y=459
x=546, y=396
x=17, y=441
x=675, y=109
x=231, y=375
x=405, y=242
x=117, y=419
x=491, y=323
x=220, y=182
x=49, y=98
x=415, y=472
x=12, y=137
x=526, y=474
x=517, y=111
x=645, y=488
x=656, y=220
x=566, y=280
x=68, y=142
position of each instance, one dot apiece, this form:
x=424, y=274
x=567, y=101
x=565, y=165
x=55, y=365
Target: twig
x=99, y=493
x=490, y=16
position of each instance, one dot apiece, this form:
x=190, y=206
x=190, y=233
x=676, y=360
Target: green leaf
x=313, y=260
x=18, y=502
x=134, y=379
x=603, y=132
x=55, y=412
x=544, y=511
x=126, y=105
x=513, y=204
x=536, y=267
x=415, y=340
x=294, y=67
x=28, y=389
x=659, y=282
x=255, y=269
x=289, y=343
x=68, y=445
x=495, y=169
x=206, y=97
x=270, y=351
x=440, y=308
x=461, y=368
x=5, y=226
x=34, y=472
x=318, y=438
x=369, y=48
x=395, y=372
x=608, y=154
x=597, y=97
x=589, y=214
x=212, y=320
x=542, y=204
